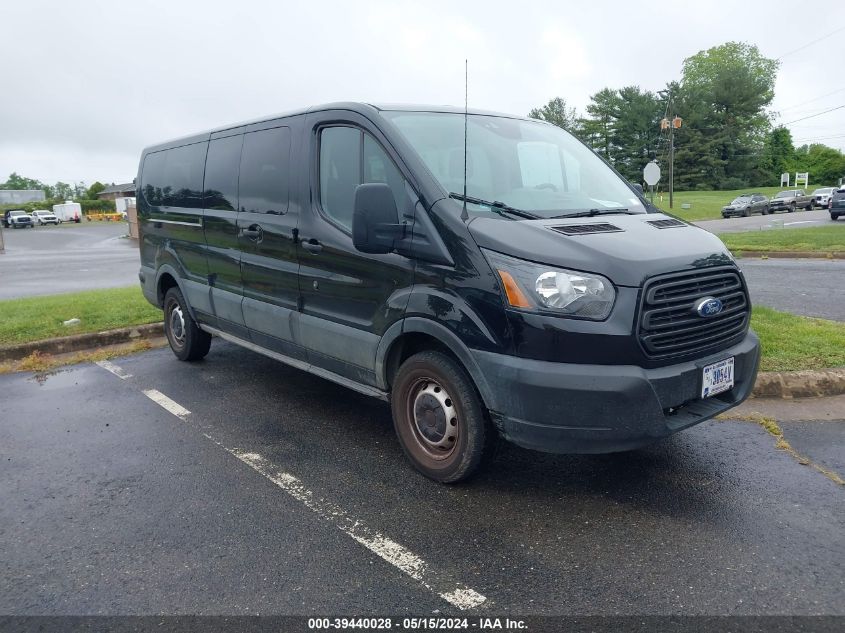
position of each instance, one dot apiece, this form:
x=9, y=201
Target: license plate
x=717, y=377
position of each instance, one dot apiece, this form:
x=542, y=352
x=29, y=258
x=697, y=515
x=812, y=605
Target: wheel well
x=409, y=344
x=165, y=283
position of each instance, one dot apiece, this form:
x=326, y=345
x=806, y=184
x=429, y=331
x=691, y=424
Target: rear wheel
x=439, y=418
x=186, y=339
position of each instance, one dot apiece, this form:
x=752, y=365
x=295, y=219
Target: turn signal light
x=513, y=292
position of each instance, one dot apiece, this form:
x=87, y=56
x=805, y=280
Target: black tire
x=834, y=217
x=187, y=341
x=433, y=394
x=791, y=208
x=745, y=212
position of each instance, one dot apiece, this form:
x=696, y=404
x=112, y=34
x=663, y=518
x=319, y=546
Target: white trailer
x=68, y=212
x=122, y=205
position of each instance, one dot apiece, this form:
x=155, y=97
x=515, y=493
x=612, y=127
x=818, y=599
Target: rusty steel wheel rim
x=433, y=419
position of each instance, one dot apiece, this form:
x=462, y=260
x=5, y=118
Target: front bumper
x=567, y=408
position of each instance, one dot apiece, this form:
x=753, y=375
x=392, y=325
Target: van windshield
x=527, y=165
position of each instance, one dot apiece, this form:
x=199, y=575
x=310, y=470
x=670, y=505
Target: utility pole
x=671, y=165
x=671, y=122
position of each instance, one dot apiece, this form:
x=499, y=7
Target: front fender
x=442, y=334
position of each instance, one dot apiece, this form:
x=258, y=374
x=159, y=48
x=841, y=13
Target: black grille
x=669, y=324
x=583, y=229
x=666, y=224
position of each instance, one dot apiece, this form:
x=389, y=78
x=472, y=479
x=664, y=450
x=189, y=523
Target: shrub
x=729, y=184
x=97, y=206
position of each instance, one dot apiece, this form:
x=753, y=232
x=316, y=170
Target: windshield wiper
x=593, y=212
x=495, y=206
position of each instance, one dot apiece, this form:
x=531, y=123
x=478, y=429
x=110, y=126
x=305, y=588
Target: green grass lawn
x=829, y=238
x=792, y=342
x=34, y=318
x=707, y=205
x=789, y=342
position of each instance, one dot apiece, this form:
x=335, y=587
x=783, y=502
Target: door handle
x=312, y=246
x=254, y=232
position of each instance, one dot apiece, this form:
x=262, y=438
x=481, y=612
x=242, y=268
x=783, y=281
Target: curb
x=799, y=384
x=788, y=254
x=80, y=342
x=771, y=384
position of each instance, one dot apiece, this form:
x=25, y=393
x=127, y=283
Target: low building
x=20, y=196
x=126, y=190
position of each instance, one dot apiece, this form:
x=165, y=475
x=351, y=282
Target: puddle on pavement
x=59, y=378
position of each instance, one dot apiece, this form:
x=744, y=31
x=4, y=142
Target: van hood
x=628, y=249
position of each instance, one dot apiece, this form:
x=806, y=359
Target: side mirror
x=375, y=220
x=637, y=187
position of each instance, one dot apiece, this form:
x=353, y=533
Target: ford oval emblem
x=708, y=307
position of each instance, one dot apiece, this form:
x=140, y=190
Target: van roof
x=353, y=106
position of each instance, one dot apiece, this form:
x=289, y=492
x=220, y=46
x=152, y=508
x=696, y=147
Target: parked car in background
x=791, y=200
x=42, y=217
x=822, y=196
x=16, y=219
x=836, y=204
x=746, y=204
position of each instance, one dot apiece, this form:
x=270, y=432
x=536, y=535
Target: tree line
x=727, y=139
x=58, y=191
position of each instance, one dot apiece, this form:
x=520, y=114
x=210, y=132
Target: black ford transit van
x=521, y=289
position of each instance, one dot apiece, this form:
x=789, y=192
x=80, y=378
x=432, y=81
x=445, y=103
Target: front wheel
x=440, y=419
x=791, y=208
x=186, y=339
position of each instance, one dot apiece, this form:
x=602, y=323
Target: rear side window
x=173, y=177
x=264, y=171
x=221, y=173
x=348, y=158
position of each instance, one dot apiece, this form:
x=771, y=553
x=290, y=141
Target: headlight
x=531, y=286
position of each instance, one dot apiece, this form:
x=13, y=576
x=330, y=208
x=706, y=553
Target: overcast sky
x=86, y=85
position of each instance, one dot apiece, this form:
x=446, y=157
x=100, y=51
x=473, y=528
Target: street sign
x=651, y=174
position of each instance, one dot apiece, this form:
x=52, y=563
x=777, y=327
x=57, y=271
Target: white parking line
x=117, y=371
x=397, y=555
x=173, y=407
x=402, y=558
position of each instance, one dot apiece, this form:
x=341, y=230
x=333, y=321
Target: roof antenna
x=464, y=214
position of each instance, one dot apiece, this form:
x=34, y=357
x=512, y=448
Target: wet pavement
x=797, y=220
x=49, y=260
x=247, y=496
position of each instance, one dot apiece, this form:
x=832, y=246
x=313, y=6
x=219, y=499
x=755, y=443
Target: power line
x=812, y=100
x=815, y=41
x=815, y=115
x=819, y=138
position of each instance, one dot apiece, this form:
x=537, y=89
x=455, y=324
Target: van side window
x=340, y=172
x=173, y=178
x=379, y=168
x=264, y=171
x=221, y=173
x=348, y=158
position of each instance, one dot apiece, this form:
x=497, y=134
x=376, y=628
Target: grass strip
x=793, y=342
x=817, y=239
x=37, y=318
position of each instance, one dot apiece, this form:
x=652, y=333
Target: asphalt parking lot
x=68, y=258
x=237, y=485
x=797, y=220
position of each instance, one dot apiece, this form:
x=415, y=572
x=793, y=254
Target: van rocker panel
x=569, y=408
